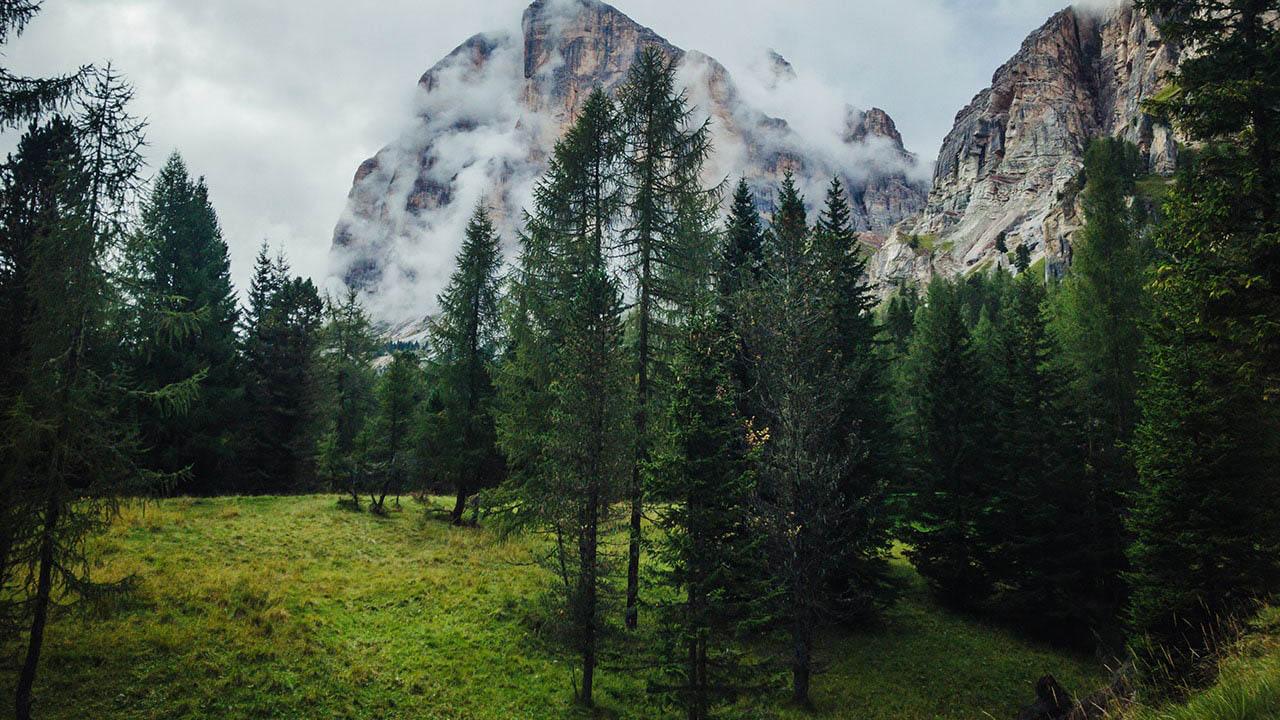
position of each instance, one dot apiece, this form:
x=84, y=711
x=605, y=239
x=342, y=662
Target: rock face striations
x=489, y=113
x=1007, y=162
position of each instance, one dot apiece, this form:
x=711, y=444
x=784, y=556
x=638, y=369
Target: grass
x=295, y=608
x=1247, y=686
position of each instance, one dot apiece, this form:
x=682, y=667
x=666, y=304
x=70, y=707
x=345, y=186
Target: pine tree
x=664, y=244
x=742, y=258
x=1098, y=313
x=181, y=267
x=948, y=427
x=347, y=346
x=465, y=337
x=710, y=547
x=802, y=502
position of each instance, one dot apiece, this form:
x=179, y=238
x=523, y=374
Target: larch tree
x=664, y=242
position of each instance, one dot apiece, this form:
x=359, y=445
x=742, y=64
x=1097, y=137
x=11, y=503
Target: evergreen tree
x=68, y=447
x=181, y=267
x=863, y=433
x=347, y=346
x=279, y=439
x=1022, y=258
x=388, y=437
x=802, y=503
x=742, y=258
x=1206, y=515
x=465, y=337
x=1098, y=314
x=710, y=545
x=1040, y=535
x=948, y=427
x=664, y=244
x=565, y=402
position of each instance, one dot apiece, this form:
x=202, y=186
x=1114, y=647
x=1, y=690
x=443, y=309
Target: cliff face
x=1011, y=153
x=490, y=112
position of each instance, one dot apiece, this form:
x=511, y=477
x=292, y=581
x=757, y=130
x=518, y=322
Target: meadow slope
x=291, y=607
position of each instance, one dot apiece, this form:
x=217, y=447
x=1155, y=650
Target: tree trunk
x=802, y=659
x=632, y=619
x=459, y=506
x=44, y=589
x=587, y=595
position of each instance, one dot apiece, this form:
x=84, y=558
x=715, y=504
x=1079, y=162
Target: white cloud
x=277, y=103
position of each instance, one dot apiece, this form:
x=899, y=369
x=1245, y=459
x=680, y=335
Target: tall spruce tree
x=864, y=431
x=948, y=426
x=709, y=549
x=465, y=338
x=181, y=267
x=1098, y=316
x=346, y=346
x=801, y=499
x=664, y=243
x=1207, y=512
x=278, y=437
x=564, y=420
x=387, y=439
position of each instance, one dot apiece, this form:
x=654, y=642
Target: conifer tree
x=948, y=427
x=565, y=402
x=465, y=338
x=710, y=546
x=1207, y=512
x=346, y=348
x=68, y=447
x=664, y=243
x=180, y=265
x=279, y=437
x=1098, y=314
x=801, y=501
x=864, y=431
x=742, y=259
x=388, y=437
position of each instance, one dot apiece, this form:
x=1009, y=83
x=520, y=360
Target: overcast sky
x=277, y=102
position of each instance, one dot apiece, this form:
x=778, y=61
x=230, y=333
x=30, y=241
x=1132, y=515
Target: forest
x=702, y=427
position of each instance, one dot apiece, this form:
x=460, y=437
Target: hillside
x=291, y=607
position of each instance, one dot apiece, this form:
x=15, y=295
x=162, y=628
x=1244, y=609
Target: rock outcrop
x=1008, y=160
x=490, y=112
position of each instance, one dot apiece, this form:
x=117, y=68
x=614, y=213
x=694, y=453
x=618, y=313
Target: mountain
x=489, y=113
x=1009, y=160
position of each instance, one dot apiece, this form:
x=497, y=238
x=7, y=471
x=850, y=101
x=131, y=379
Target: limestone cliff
x=1005, y=164
x=490, y=112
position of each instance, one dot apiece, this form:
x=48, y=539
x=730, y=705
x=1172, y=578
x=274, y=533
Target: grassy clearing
x=294, y=608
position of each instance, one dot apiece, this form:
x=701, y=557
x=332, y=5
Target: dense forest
x=710, y=422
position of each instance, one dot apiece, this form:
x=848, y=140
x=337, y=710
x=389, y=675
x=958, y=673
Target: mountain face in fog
x=489, y=113
x=1006, y=165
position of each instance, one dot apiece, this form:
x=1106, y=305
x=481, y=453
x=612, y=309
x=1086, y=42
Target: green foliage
x=565, y=419
x=347, y=345
x=460, y=438
x=180, y=268
x=666, y=241
x=278, y=438
x=949, y=426
x=709, y=553
x=386, y=441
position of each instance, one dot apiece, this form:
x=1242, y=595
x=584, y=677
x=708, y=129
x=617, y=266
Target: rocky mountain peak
x=489, y=113
x=1005, y=166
